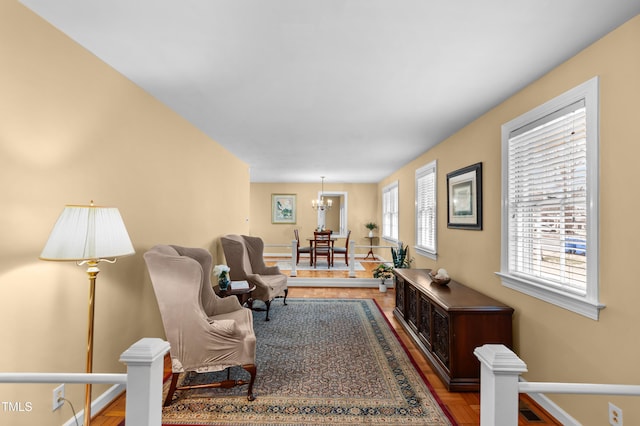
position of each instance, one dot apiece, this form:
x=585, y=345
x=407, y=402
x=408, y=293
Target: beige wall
x=556, y=344
x=362, y=207
x=73, y=130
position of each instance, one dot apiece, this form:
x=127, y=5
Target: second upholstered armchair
x=245, y=258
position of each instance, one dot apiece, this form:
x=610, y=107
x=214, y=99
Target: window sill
x=426, y=253
x=390, y=240
x=577, y=304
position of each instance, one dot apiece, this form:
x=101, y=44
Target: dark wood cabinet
x=448, y=323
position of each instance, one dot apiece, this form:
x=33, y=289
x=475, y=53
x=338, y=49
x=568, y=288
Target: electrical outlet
x=615, y=415
x=58, y=397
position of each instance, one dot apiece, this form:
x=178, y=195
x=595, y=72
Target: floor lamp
x=88, y=235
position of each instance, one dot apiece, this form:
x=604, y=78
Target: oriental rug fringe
x=320, y=361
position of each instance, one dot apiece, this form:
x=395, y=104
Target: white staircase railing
x=500, y=385
x=143, y=380
x=352, y=255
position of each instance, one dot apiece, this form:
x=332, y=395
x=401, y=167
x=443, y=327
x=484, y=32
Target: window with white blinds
x=549, y=217
x=426, y=209
x=390, y=211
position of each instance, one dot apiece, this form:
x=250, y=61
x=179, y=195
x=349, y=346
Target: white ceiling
x=347, y=89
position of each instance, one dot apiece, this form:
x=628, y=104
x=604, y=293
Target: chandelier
x=321, y=203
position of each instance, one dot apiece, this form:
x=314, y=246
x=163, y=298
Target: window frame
x=428, y=169
x=386, y=233
x=588, y=304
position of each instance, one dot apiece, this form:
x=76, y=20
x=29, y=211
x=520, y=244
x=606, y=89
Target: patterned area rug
x=320, y=361
x=322, y=265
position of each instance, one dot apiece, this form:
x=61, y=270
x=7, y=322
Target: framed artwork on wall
x=464, y=198
x=283, y=208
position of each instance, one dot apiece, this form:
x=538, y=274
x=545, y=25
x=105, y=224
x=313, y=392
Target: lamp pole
x=92, y=272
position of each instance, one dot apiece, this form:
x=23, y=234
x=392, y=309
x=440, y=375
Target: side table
x=243, y=291
x=373, y=256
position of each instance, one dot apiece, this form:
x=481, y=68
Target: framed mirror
x=335, y=218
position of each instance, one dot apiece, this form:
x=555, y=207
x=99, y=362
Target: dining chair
x=323, y=247
x=343, y=250
x=306, y=249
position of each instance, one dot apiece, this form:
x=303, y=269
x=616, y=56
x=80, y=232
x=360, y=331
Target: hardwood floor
x=464, y=406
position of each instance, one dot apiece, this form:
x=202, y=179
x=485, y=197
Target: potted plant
x=383, y=272
x=222, y=273
x=400, y=256
x=370, y=226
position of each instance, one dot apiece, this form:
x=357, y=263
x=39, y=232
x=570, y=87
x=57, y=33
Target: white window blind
x=547, y=199
x=390, y=211
x=426, y=208
x=550, y=201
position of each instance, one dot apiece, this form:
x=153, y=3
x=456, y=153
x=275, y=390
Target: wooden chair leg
x=251, y=368
x=268, y=303
x=286, y=292
x=172, y=389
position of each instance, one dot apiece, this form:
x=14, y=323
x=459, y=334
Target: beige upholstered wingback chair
x=245, y=258
x=206, y=333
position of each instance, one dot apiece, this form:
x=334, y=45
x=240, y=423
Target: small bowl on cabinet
x=438, y=281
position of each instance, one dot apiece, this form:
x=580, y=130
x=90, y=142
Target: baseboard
x=553, y=409
x=98, y=404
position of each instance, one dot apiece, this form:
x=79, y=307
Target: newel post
x=145, y=365
x=500, y=370
x=352, y=259
x=294, y=257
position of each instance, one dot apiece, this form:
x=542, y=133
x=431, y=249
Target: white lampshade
x=88, y=233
